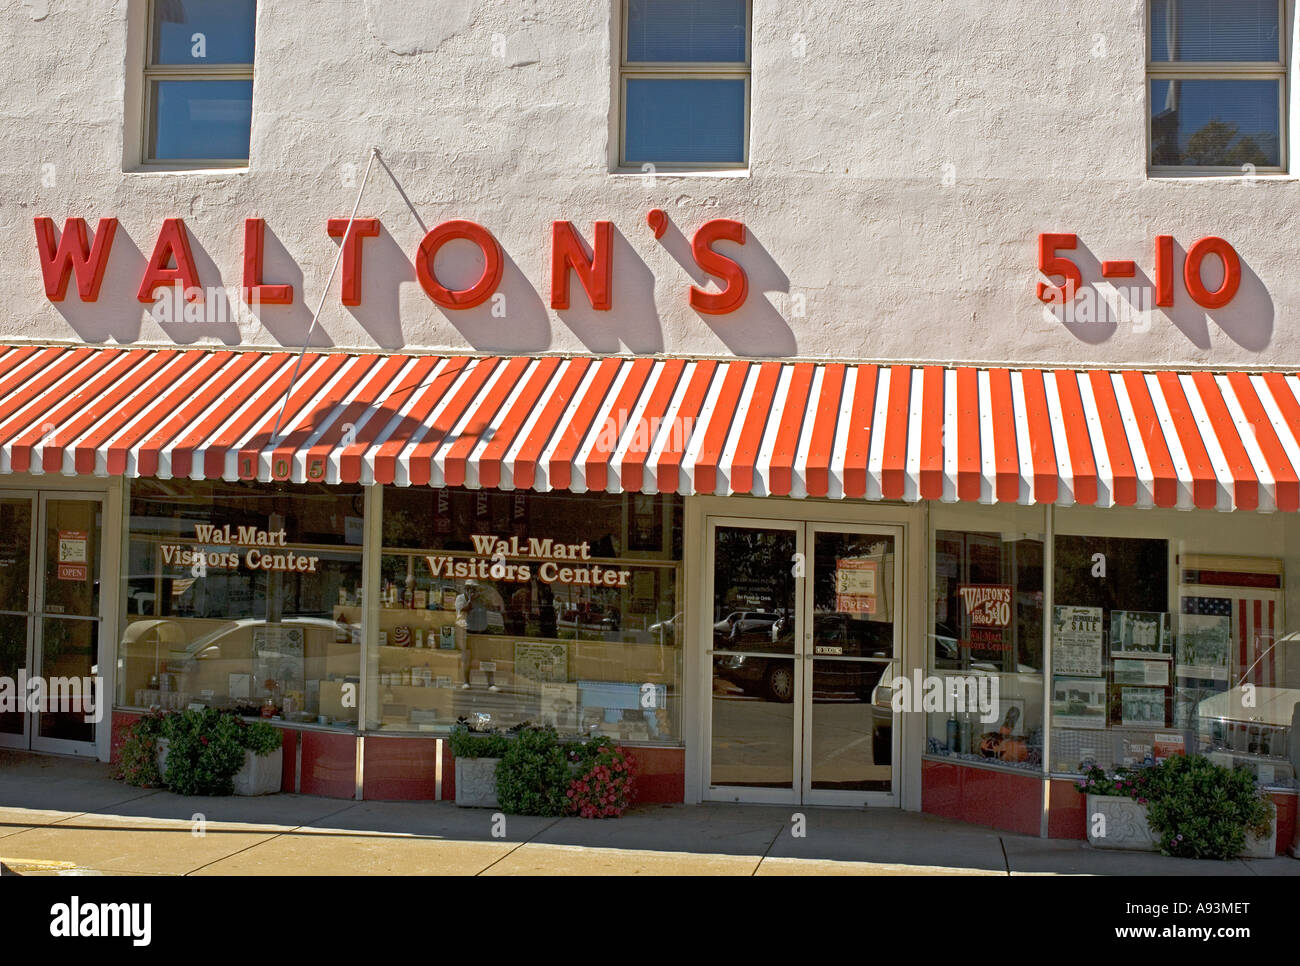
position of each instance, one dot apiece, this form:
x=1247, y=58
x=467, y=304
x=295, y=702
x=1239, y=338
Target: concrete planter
x=1262, y=847
x=476, y=782
x=259, y=775
x=1126, y=827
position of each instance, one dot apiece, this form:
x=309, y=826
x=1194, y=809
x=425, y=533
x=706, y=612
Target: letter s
x=733, y=296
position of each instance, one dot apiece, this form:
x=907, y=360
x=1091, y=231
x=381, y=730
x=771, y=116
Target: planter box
x=1126, y=824
x=1127, y=828
x=1264, y=847
x=259, y=775
x=476, y=782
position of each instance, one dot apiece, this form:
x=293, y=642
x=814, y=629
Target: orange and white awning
x=844, y=431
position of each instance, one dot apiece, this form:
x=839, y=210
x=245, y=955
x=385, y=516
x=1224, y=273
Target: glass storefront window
x=503, y=608
x=986, y=641
x=1169, y=638
x=241, y=596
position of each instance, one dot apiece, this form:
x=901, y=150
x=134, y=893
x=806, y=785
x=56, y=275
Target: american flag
x=1253, y=618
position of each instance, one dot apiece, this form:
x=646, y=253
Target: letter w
x=73, y=254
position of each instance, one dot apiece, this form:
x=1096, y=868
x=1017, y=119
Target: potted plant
x=1204, y=811
x=540, y=775
x=1117, y=814
x=1185, y=806
x=263, y=767
x=477, y=756
x=202, y=752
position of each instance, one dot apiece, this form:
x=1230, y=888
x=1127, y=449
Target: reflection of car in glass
x=743, y=625
x=666, y=630
x=1256, y=732
x=770, y=678
x=839, y=634
x=208, y=647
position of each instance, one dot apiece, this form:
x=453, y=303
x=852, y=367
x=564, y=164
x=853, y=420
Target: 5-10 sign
x=1053, y=264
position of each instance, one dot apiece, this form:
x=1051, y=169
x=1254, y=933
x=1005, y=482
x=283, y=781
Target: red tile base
x=1067, y=814
x=329, y=764
x=400, y=769
x=660, y=775
x=982, y=796
x=1287, y=805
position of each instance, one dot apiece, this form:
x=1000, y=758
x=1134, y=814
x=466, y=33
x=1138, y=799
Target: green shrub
x=1202, y=810
x=534, y=774
x=205, y=748
x=260, y=737
x=137, y=757
x=469, y=744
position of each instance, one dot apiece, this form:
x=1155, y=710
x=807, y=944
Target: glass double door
x=50, y=621
x=805, y=632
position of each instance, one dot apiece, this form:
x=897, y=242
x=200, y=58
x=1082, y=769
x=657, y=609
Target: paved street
x=59, y=816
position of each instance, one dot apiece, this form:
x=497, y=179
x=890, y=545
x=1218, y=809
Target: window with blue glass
x=199, y=81
x=1216, y=82
x=685, y=84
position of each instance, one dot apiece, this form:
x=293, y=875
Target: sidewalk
x=59, y=816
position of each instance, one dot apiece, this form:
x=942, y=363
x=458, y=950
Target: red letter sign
x=1164, y=270
x=1049, y=263
x=74, y=255
x=361, y=228
x=172, y=243
x=255, y=293
x=480, y=291
x=733, y=296
x=595, y=275
x=1231, y=272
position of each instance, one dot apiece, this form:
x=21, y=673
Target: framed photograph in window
x=1142, y=707
x=1144, y=635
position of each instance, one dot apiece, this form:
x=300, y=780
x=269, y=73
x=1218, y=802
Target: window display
x=233, y=600
x=1111, y=647
x=987, y=639
x=1160, y=649
x=504, y=608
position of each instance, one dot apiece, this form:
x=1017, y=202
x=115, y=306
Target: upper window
x=199, y=81
x=685, y=83
x=1216, y=78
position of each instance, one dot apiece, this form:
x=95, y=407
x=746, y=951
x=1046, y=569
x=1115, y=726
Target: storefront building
x=687, y=376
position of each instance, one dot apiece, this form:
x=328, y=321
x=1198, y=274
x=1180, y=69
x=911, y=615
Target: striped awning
x=877, y=432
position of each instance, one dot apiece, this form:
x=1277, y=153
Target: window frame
x=154, y=72
x=1219, y=70
x=682, y=70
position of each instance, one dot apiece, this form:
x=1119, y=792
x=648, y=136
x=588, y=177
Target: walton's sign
x=172, y=265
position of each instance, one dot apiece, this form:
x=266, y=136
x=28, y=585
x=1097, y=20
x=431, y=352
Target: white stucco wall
x=846, y=201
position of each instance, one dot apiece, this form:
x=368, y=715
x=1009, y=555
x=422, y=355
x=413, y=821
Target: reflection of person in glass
x=518, y=607
x=471, y=614
x=546, y=613
x=471, y=610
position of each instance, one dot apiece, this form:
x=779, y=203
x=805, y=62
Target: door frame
x=855, y=797
x=765, y=796
x=23, y=740
x=113, y=492
x=35, y=638
x=909, y=740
